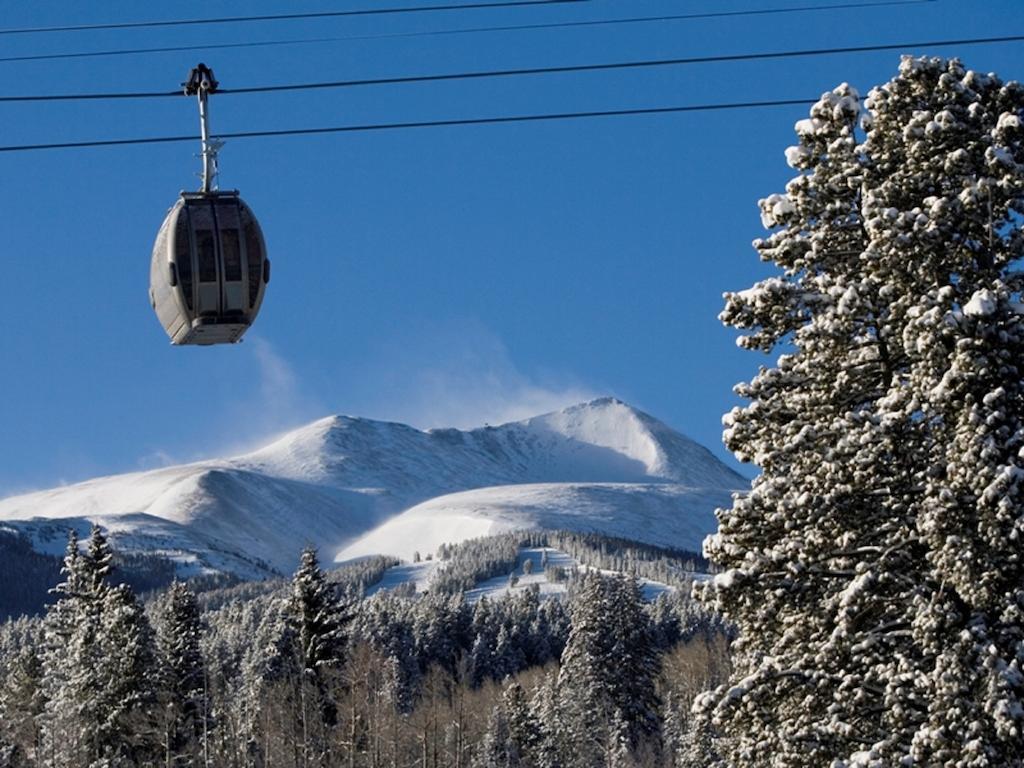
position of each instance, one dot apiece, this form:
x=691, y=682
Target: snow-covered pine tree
x=874, y=570
x=440, y=627
x=697, y=748
x=672, y=730
x=608, y=669
x=544, y=711
x=508, y=656
x=317, y=617
x=319, y=621
x=492, y=751
x=11, y=755
x=636, y=663
x=584, y=678
x=101, y=559
x=618, y=749
x=22, y=704
x=183, y=685
x=98, y=666
x=384, y=621
x=126, y=673
x=68, y=659
x=523, y=730
x=484, y=631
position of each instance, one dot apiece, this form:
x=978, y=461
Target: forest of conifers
x=309, y=672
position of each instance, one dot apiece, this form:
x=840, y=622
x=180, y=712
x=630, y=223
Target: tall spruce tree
x=524, y=732
x=317, y=617
x=493, y=749
x=874, y=570
x=126, y=676
x=318, y=621
x=606, y=683
x=546, y=713
x=636, y=663
x=70, y=647
x=183, y=687
x=22, y=703
x=98, y=666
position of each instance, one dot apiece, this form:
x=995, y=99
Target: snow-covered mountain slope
x=663, y=514
x=333, y=482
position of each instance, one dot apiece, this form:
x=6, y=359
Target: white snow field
x=353, y=486
x=665, y=514
x=417, y=573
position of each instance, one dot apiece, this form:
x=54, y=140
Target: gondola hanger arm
x=201, y=83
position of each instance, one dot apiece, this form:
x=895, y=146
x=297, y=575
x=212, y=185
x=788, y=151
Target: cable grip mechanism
x=201, y=83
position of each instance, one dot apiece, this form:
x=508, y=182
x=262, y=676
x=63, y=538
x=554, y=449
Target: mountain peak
x=340, y=476
x=606, y=407
x=599, y=402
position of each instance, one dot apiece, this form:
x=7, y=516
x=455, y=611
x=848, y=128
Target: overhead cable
x=286, y=16
x=419, y=124
x=495, y=73
x=458, y=31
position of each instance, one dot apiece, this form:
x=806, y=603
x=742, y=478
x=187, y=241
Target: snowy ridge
x=348, y=485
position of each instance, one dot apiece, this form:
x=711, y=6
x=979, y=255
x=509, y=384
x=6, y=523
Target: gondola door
x=232, y=261
x=204, y=246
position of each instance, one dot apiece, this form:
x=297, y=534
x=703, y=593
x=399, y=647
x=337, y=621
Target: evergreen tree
x=98, y=666
x=508, y=656
x=524, y=732
x=317, y=617
x=22, y=703
x=12, y=755
x=69, y=659
x=493, y=751
x=481, y=655
x=100, y=558
x=673, y=731
x=182, y=676
x=874, y=569
x=619, y=753
x=545, y=712
x=697, y=748
x=386, y=624
x=584, y=679
x=608, y=669
x=126, y=676
x=318, y=624
x=635, y=662
x=440, y=627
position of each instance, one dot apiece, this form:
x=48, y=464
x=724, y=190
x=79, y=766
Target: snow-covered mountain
x=356, y=486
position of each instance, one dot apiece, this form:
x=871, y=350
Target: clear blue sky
x=441, y=276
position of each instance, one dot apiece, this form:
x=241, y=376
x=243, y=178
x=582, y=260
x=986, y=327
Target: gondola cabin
x=209, y=269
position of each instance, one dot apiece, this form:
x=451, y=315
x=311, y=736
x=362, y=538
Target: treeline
x=669, y=566
x=27, y=577
x=468, y=563
x=306, y=673
x=475, y=560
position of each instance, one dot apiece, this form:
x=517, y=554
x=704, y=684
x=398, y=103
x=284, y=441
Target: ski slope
x=419, y=574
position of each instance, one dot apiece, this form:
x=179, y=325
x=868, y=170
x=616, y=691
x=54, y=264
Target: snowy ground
x=396, y=576
x=499, y=586
x=663, y=514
